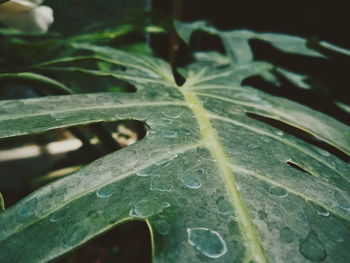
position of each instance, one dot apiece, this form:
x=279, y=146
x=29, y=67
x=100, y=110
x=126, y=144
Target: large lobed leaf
x=213, y=184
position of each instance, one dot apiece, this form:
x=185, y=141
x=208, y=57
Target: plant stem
x=174, y=39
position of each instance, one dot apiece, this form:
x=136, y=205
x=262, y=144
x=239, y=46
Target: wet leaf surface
x=212, y=183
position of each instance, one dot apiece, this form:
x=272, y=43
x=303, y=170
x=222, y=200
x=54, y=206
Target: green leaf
x=297, y=79
x=2, y=203
x=211, y=182
x=36, y=79
x=237, y=46
x=343, y=106
x=334, y=48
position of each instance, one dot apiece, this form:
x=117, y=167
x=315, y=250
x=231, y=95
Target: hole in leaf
x=307, y=137
x=296, y=166
x=27, y=162
x=127, y=243
x=203, y=41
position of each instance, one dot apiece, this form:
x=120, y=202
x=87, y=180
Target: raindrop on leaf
x=207, y=241
x=312, y=249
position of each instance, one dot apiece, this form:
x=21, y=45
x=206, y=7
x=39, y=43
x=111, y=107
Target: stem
x=174, y=39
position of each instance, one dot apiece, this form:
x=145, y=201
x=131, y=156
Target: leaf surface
x=214, y=184
x=2, y=203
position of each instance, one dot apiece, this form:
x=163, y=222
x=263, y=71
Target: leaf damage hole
x=204, y=41
x=300, y=134
x=296, y=166
x=28, y=162
x=128, y=243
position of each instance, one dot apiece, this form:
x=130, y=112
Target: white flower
x=26, y=15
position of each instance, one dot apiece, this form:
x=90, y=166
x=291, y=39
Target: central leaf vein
x=210, y=139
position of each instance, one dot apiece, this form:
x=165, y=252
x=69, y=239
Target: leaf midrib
x=210, y=139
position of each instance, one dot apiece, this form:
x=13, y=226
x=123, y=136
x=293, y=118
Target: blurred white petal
x=26, y=15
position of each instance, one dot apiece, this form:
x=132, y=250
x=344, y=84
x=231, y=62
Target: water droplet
x=280, y=133
x=189, y=178
x=323, y=152
x=143, y=173
x=278, y=191
x=185, y=131
x=200, y=213
x=342, y=202
x=167, y=121
x=207, y=241
x=93, y=213
x=57, y=116
x=162, y=163
x=165, y=162
x=74, y=237
x=224, y=206
x=56, y=217
x=142, y=115
x=247, y=96
x=182, y=201
x=312, y=249
x=319, y=209
x=160, y=183
x=203, y=152
x=105, y=191
x=97, y=163
x=27, y=210
x=200, y=171
x=286, y=235
x=265, y=139
x=233, y=228
x=263, y=215
x=171, y=114
x=147, y=208
x=170, y=134
x=162, y=227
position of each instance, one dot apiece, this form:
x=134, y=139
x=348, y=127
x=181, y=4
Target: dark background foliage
x=313, y=20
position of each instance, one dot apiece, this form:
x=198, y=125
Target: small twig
x=174, y=39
